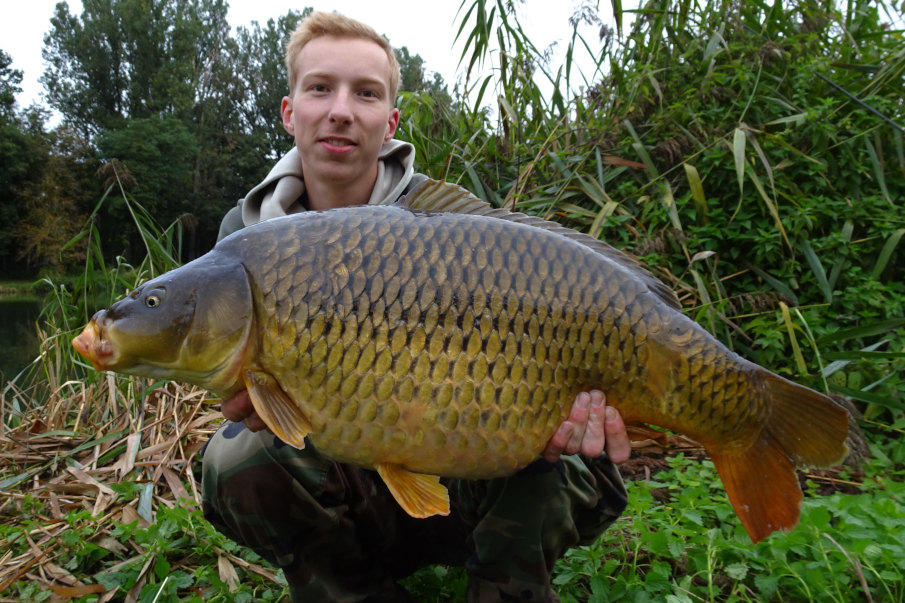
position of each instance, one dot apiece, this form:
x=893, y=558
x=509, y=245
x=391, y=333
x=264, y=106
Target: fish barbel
x=441, y=337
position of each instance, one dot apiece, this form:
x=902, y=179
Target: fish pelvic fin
x=804, y=429
x=420, y=495
x=281, y=415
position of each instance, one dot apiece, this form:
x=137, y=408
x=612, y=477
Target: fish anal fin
x=763, y=488
x=420, y=495
x=281, y=415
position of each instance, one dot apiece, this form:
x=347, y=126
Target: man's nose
x=341, y=109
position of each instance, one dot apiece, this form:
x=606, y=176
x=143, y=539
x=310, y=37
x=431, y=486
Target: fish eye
x=152, y=301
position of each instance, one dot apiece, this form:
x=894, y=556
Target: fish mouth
x=91, y=344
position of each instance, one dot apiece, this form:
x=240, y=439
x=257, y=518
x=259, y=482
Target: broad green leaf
x=847, y=229
x=797, y=120
x=669, y=202
x=774, y=282
x=697, y=191
x=817, y=269
x=878, y=169
x=838, y=363
x=863, y=354
x=863, y=396
x=737, y=571
x=793, y=339
x=144, y=502
x=888, y=248
x=869, y=330
x=738, y=153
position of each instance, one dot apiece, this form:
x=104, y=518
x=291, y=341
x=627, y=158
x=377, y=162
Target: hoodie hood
x=281, y=191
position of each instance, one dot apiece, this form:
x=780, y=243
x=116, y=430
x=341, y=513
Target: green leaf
x=847, y=229
x=817, y=269
x=774, y=282
x=863, y=396
x=888, y=248
x=869, y=330
x=737, y=571
x=767, y=584
x=697, y=191
x=793, y=339
x=738, y=153
x=878, y=170
x=144, y=502
x=161, y=567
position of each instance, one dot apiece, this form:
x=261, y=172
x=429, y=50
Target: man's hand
x=592, y=428
x=238, y=409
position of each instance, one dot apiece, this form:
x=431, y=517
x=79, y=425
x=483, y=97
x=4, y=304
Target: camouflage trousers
x=338, y=535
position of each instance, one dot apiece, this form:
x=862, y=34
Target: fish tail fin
x=804, y=429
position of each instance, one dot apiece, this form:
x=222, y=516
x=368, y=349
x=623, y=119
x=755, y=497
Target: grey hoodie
x=281, y=192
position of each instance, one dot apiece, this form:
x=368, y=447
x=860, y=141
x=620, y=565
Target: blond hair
x=321, y=23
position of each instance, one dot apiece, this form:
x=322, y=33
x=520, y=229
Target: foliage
x=750, y=152
x=9, y=85
x=127, y=59
x=680, y=542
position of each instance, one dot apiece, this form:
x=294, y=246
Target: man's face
x=340, y=112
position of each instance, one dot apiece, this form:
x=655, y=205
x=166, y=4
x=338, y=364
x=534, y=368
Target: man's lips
x=337, y=145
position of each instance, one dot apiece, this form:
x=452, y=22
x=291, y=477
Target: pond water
x=18, y=340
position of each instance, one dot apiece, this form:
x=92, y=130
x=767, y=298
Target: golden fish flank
x=426, y=343
x=488, y=361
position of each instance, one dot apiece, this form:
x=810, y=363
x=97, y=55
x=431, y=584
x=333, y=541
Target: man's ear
x=392, y=124
x=286, y=113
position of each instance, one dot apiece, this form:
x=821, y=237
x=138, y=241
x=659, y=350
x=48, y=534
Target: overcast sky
x=426, y=28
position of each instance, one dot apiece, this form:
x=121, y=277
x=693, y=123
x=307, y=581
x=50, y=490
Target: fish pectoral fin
x=281, y=415
x=420, y=495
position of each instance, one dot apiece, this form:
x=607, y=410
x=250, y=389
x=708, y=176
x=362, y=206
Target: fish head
x=191, y=324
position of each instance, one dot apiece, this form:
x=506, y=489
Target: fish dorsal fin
x=281, y=415
x=444, y=197
x=420, y=495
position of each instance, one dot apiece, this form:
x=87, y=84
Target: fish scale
x=446, y=337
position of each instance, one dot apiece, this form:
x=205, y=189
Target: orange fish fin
x=804, y=429
x=281, y=415
x=419, y=494
x=810, y=427
x=763, y=488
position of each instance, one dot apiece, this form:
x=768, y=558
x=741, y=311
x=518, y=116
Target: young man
x=334, y=529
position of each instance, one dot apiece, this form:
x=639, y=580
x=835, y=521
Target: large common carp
x=446, y=343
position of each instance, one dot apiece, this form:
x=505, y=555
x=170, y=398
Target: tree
x=56, y=204
x=131, y=58
x=152, y=84
x=21, y=150
x=9, y=86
